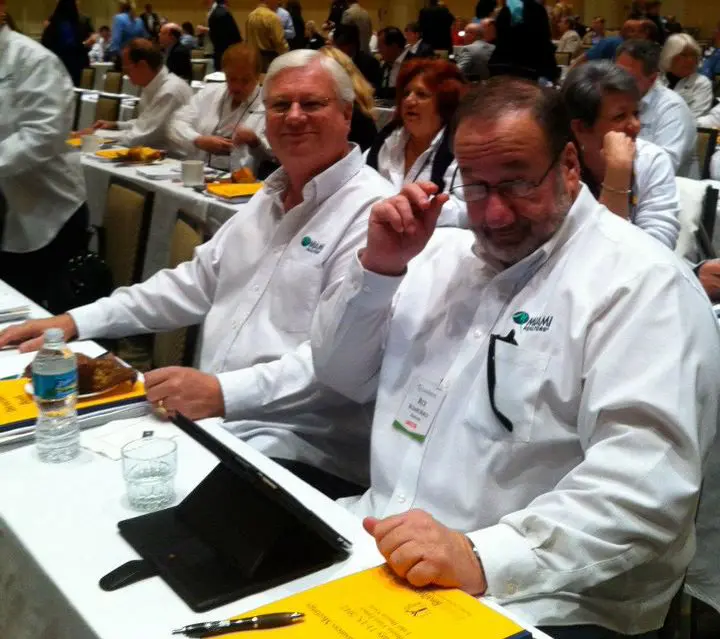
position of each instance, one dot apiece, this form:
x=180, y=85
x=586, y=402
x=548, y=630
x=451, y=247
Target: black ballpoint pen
x=260, y=622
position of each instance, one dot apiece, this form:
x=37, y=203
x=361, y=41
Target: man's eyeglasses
x=309, y=106
x=508, y=339
x=512, y=189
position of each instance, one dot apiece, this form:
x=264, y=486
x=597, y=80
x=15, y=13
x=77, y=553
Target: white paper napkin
x=108, y=440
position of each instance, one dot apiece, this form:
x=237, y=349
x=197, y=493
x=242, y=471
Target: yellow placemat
x=230, y=190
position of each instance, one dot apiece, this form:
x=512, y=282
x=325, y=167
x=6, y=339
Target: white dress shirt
x=697, y=91
x=255, y=286
x=583, y=514
x=657, y=208
x=391, y=165
x=287, y=23
x=666, y=120
x=97, y=51
x=42, y=187
x=570, y=42
x=712, y=121
x=160, y=99
x=210, y=112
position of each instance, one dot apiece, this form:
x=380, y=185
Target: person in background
x=358, y=16
x=672, y=25
x=98, y=52
x=665, y=118
x=391, y=45
x=457, y=34
x=347, y=39
x=485, y=9
x=473, y=58
x=225, y=118
x=595, y=33
x=45, y=219
x=222, y=29
x=711, y=64
x=315, y=39
x=337, y=9
x=163, y=94
x=255, y=285
x=125, y=27
x=295, y=10
x=177, y=56
x=632, y=177
x=362, y=124
x=436, y=23
x=679, y=65
x=652, y=13
x=570, y=41
x=417, y=47
x=287, y=23
x=69, y=36
x=556, y=466
x=188, y=39
x=579, y=27
x=265, y=32
x=151, y=22
x=416, y=145
x=606, y=48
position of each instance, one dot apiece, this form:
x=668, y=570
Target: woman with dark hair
x=485, y=8
x=69, y=36
x=416, y=145
x=295, y=10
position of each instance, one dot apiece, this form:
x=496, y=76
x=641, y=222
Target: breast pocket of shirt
x=295, y=295
x=507, y=411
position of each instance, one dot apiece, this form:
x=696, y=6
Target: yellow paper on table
x=375, y=605
x=229, y=190
x=18, y=409
x=77, y=142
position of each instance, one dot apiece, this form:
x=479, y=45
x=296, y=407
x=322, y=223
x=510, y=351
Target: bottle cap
x=54, y=335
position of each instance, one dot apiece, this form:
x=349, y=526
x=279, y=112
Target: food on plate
x=243, y=176
x=98, y=374
x=142, y=154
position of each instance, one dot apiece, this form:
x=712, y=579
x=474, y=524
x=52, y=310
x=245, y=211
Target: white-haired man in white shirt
x=255, y=286
x=546, y=385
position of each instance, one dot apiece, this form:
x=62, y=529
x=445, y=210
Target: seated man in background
x=547, y=387
x=391, y=45
x=163, y=94
x=255, y=285
x=98, y=52
x=665, y=118
x=607, y=47
x=473, y=58
x=416, y=46
x=177, y=55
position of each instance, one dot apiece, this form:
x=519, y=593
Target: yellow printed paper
x=375, y=605
x=229, y=190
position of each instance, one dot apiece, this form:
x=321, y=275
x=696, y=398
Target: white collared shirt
x=697, y=91
x=666, y=120
x=391, y=165
x=712, y=121
x=255, y=286
x=583, y=514
x=43, y=188
x=160, y=99
x=210, y=112
x=570, y=42
x=97, y=52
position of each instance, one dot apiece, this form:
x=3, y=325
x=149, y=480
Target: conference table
x=58, y=537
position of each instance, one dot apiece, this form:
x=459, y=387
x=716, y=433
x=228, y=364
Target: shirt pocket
x=296, y=296
x=519, y=378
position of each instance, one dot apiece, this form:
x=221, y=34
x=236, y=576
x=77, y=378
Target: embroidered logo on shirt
x=538, y=323
x=311, y=245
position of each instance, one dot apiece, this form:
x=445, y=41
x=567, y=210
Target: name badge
x=419, y=408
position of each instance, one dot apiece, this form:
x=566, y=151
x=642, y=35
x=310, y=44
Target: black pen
x=259, y=622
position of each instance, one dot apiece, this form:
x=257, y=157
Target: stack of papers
x=14, y=313
x=158, y=171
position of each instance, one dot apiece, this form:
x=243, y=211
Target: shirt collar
x=649, y=99
x=155, y=84
x=399, y=139
x=323, y=185
x=227, y=104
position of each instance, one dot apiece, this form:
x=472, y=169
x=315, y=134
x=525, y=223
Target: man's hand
x=709, y=274
x=28, y=336
x=104, y=124
x=400, y=227
x=185, y=390
x=423, y=551
x=214, y=144
x=243, y=135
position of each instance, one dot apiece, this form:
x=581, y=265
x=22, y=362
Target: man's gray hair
x=587, y=85
x=301, y=58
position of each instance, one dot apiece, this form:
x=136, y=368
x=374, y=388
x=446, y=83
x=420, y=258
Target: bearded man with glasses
x=546, y=383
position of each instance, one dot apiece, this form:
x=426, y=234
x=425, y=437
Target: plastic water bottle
x=54, y=376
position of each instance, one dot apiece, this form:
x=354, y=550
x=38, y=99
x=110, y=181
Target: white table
x=101, y=68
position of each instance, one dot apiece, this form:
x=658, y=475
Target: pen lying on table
x=259, y=622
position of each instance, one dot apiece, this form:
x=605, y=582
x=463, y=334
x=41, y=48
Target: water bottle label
x=51, y=387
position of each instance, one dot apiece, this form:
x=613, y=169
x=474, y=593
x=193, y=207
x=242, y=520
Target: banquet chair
x=177, y=348
x=698, y=209
x=107, y=108
x=706, y=145
x=113, y=82
x=563, y=58
x=199, y=70
x=87, y=78
x=197, y=54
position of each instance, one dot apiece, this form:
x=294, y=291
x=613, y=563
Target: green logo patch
x=521, y=317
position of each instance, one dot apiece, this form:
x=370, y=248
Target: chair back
x=125, y=231
x=706, y=145
x=196, y=54
x=107, y=108
x=177, y=348
x=199, y=70
x=563, y=58
x=87, y=78
x=113, y=82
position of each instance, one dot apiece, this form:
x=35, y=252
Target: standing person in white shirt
x=255, y=286
x=570, y=41
x=99, y=49
x=632, y=177
x=546, y=386
x=225, y=123
x=43, y=216
x=665, y=118
x=163, y=94
x=679, y=62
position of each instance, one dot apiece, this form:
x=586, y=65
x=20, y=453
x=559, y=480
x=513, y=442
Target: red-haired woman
x=416, y=145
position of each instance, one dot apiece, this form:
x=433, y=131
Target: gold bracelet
x=618, y=191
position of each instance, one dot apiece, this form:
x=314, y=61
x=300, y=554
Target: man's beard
x=539, y=232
